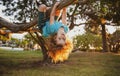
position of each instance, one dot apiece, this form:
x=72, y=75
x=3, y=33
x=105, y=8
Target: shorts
x=42, y=19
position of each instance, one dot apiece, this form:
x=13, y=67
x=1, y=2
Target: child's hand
x=64, y=9
x=57, y=3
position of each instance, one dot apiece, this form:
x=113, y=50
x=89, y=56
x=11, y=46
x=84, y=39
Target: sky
x=76, y=31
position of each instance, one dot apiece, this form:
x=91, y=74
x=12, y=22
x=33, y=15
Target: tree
x=25, y=9
x=86, y=41
x=26, y=27
x=114, y=41
x=102, y=11
x=29, y=41
x=98, y=11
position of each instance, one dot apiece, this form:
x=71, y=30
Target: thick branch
x=65, y=3
x=23, y=27
x=16, y=27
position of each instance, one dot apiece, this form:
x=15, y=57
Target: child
x=52, y=27
x=59, y=46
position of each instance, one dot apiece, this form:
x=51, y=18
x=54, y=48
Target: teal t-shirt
x=52, y=29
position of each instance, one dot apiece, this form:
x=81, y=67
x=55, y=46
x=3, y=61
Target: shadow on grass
x=9, y=64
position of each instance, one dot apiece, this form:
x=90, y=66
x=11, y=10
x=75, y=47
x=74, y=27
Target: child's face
x=61, y=37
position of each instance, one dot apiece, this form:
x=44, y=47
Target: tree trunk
x=104, y=40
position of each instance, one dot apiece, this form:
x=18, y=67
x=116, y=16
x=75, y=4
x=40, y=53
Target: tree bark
x=104, y=40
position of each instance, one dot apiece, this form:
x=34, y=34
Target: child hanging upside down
x=51, y=26
x=56, y=31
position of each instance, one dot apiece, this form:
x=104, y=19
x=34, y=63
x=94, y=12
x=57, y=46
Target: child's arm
x=64, y=16
x=52, y=15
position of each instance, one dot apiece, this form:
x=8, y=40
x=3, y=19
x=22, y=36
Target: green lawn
x=28, y=63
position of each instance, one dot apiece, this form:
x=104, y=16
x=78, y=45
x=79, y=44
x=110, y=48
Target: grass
x=27, y=63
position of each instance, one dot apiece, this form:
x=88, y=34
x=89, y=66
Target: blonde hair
x=59, y=53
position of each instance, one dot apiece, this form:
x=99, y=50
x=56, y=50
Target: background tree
x=23, y=10
x=100, y=12
x=30, y=41
x=86, y=41
x=114, y=41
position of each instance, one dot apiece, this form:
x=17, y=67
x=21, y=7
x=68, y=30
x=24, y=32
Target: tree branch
x=14, y=28
x=72, y=17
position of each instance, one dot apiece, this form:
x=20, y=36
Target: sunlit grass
x=27, y=63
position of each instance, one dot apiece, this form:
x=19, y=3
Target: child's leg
x=41, y=16
x=42, y=8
